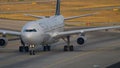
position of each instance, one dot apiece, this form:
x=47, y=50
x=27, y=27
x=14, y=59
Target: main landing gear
x=68, y=47
x=47, y=48
x=23, y=48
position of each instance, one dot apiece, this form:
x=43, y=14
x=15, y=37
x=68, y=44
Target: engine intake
x=81, y=40
x=3, y=42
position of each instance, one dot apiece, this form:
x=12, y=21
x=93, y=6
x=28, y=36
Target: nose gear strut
x=32, y=49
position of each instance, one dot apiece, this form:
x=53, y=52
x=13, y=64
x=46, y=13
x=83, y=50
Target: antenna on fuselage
x=57, y=8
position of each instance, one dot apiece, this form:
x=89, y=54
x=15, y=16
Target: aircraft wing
x=10, y=32
x=84, y=15
x=67, y=33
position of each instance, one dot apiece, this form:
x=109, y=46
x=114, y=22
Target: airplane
x=48, y=30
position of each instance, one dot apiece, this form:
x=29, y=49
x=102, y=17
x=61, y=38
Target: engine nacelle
x=81, y=40
x=3, y=42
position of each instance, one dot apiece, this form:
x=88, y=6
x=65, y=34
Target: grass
x=73, y=7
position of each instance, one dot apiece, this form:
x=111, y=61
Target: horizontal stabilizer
x=35, y=16
x=85, y=15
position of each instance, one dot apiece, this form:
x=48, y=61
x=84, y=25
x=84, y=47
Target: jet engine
x=81, y=40
x=3, y=42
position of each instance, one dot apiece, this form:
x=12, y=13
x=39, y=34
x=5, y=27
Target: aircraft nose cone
x=27, y=38
x=32, y=38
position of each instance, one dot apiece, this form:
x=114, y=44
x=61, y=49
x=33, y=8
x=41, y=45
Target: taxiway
x=101, y=50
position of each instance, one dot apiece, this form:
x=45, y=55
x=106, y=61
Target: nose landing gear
x=32, y=49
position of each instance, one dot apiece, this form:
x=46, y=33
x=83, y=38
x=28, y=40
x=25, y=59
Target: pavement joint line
x=68, y=59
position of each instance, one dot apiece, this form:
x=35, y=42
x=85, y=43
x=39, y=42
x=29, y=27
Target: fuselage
x=41, y=32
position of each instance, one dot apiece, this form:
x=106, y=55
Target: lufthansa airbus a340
x=46, y=31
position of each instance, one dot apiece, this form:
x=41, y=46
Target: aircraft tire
x=26, y=49
x=65, y=48
x=32, y=52
x=44, y=48
x=71, y=48
x=20, y=48
x=48, y=48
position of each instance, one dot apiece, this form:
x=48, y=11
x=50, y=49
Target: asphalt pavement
x=101, y=50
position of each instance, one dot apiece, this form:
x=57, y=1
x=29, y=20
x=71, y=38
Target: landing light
x=32, y=46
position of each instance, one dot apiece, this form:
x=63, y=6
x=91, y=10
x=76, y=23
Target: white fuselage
x=41, y=32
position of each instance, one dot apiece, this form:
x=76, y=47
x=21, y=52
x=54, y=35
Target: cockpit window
x=30, y=30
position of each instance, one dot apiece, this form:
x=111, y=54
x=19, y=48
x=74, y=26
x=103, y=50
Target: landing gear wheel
x=23, y=49
x=46, y=48
x=20, y=48
x=68, y=47
x=32, y=52
x=65, y=48
x=26, y=48
x=71, y=48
